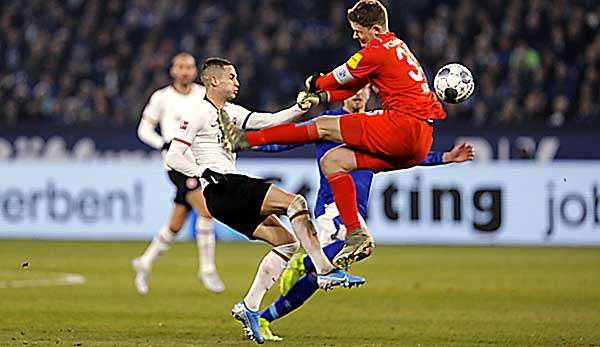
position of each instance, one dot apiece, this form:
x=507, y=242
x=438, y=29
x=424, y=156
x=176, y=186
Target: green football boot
x=292, y=273
x=265, y=330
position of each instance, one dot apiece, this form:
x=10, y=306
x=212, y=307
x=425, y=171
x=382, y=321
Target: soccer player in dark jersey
x=397, y=138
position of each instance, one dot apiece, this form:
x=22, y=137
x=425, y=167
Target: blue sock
x=298, y=294
x=331, y=250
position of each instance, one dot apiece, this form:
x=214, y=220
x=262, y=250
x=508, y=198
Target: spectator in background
x=560, y=106
x=80, y=62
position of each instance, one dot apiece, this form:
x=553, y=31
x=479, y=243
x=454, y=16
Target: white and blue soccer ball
x=453, y=83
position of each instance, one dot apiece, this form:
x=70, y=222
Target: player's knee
x=175, y=228
x=287, y=250
x=332, y=163
x=298, y=207
x=326, y=165
x=175, y=224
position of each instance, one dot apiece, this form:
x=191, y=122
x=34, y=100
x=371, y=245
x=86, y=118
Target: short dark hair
x=368, y=13
x=211, y=62
x=215, y=61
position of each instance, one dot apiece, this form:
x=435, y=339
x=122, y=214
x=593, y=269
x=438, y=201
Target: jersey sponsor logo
x=354, y=60
x=342, y=75
x=183, y=125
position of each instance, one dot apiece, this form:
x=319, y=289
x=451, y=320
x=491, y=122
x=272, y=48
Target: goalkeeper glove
x=306, y=100
x=310, y=84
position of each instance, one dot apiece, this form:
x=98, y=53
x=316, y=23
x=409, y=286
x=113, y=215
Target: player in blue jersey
x=298, y=283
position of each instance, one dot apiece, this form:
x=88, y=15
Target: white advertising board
x=95, y=200
x=505, y=203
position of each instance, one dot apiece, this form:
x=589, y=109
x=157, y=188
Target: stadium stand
x=92, y=62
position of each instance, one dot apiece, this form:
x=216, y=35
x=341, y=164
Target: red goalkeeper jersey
x=394, y=73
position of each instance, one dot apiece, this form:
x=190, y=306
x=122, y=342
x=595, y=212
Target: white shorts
x=328, y=232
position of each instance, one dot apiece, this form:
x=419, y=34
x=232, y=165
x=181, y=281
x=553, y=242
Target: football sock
x=344, y=195
x=298, y=294
x=291, y=133
x=205, y=239
x=269, y=271
x=306, y=232
x=159, y=244
x=302, y=290
x=331, y=250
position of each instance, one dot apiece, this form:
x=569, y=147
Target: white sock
x=305, y=231
x=205, y=239
x=269, y=271
x=159, y=244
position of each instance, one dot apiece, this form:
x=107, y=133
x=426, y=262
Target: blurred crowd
x=96, y=62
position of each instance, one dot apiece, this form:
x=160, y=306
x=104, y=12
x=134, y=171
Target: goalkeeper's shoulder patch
x=354, y=60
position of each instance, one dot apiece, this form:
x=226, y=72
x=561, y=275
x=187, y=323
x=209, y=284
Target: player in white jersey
x=165, y=109
x=248, y=205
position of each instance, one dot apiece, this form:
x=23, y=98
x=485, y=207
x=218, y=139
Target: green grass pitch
x=414, y=296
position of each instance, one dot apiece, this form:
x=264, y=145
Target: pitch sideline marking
x=58, y=279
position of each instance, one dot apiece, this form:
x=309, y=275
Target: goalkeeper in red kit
x=398, y=137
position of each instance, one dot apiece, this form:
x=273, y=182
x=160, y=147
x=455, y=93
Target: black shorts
x=184, y=185
x=236, y=201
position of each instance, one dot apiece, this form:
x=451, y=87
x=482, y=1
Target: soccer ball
x=453, y=83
